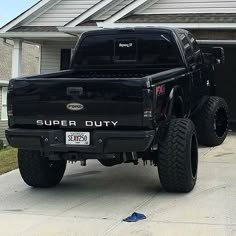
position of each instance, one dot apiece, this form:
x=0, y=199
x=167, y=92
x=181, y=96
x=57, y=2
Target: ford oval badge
x=75, y=107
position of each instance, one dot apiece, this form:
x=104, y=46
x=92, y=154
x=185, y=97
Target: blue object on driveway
x=135, y=217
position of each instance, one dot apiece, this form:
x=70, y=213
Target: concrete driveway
x=93, y=200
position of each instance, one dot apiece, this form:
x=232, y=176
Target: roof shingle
x=35, y=29
x=181, y=18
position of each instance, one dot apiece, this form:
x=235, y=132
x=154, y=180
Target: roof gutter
x=34, y=35
x=221, y=42
x=76, y=30
x=71, y=32
x=208, y=26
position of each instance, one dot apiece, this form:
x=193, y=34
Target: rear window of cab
x=140, y=49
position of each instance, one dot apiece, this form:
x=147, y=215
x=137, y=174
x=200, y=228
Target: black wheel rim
x=220, y=122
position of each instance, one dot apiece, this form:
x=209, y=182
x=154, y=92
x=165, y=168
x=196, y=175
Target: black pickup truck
x=130, y=94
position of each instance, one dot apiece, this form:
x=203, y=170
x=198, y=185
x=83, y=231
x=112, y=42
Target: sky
x=9, y=9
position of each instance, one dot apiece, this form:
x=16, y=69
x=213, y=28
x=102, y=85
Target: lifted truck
x=130, y=94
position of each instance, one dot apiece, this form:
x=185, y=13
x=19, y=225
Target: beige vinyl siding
x=190, y=6
x=51, y=55
x=63, y=12
x=3, y=123
x=30, y=59
x=111, y=9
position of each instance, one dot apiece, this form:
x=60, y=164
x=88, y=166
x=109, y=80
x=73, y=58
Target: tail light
x=147, y=108
x=147, y=103
x=160, y=90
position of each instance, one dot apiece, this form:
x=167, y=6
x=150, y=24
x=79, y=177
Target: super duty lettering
x=67, y=123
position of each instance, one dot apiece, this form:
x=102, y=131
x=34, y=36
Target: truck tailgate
x=71, y=103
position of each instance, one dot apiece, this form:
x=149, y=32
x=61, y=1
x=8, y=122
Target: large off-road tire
x=178, y=156
x=212, y=122
x=38, y=171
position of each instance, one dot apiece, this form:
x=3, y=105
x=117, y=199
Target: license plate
x=78, y=138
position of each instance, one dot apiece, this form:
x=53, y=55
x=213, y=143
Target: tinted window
x=187, y=48
x=158, y=51
x=196, y=50
x=95, y=50
x=142, y=49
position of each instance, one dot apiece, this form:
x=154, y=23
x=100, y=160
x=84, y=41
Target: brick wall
x=30, y=59
x=5, y=60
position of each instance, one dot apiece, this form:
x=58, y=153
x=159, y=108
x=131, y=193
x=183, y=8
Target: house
x=30, y=65
x=56, y=24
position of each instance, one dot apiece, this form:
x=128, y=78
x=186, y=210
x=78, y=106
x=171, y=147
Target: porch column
x=16, y=58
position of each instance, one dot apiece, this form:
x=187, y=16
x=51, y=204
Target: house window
x=4, y=104
x=65, y=59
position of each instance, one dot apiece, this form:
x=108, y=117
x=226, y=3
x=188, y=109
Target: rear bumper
x=101, y=141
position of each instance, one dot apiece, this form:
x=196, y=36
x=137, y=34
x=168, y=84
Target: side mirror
x=219, y=55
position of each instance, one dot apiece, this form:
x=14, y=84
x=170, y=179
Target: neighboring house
x=56, y=24
x=30, y=65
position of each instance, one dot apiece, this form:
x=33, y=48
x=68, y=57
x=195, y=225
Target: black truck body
x=123, y=85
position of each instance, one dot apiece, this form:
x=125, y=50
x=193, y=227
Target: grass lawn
x=8, y=160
